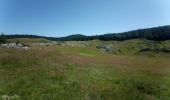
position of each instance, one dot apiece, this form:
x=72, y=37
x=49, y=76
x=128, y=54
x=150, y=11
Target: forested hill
x=157, y=33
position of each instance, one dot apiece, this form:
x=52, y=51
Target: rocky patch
x=15, y=45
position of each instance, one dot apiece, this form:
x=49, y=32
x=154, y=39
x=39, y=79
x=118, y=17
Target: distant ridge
x=156, y=33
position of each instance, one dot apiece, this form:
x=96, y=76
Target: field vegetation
x=83, y=73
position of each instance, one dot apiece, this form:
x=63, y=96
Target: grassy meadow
x=77, y=73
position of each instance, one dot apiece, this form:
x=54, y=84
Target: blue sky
x=89, y=17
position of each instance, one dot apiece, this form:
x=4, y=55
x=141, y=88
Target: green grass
x=86, y=54
x=72, y=73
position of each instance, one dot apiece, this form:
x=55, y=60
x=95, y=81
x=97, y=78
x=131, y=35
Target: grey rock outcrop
x=15, y=45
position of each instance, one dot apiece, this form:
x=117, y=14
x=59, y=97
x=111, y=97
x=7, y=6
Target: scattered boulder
x=15, y=45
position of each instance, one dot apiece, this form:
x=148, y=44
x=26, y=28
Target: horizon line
x=89, y=35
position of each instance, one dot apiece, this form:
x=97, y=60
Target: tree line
x=156, y=33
